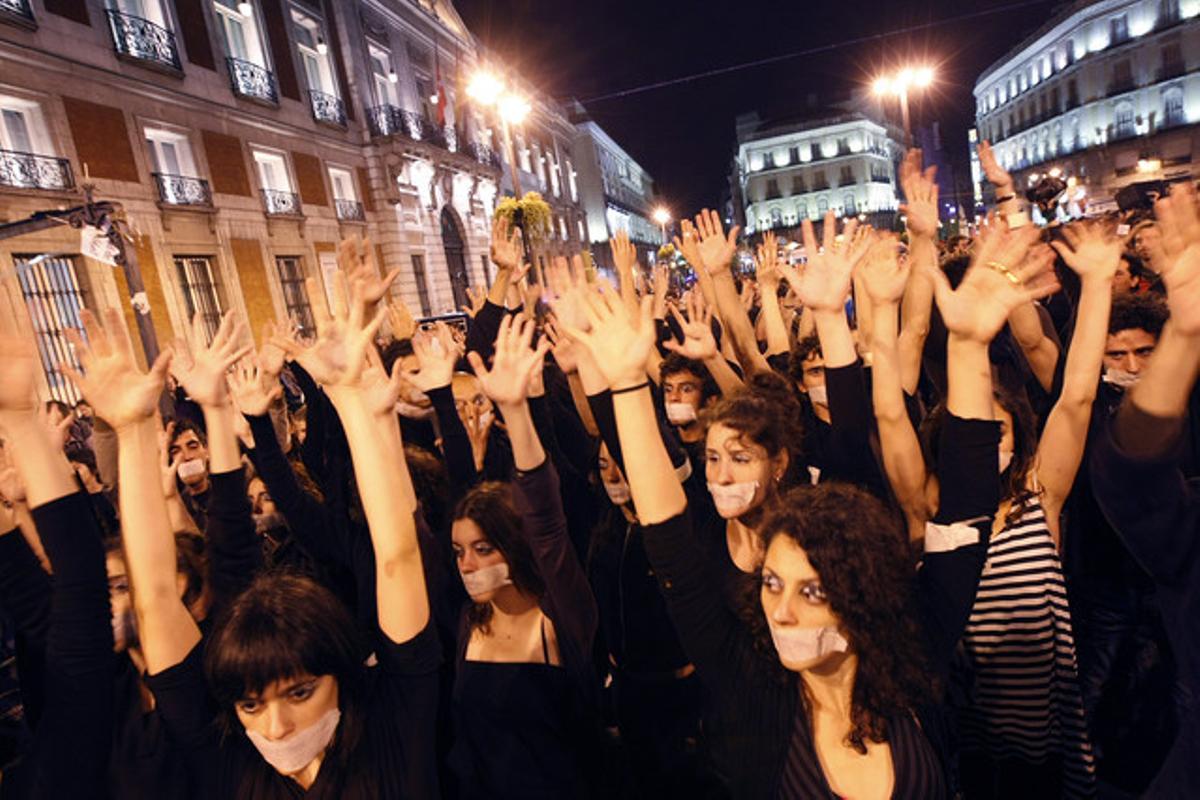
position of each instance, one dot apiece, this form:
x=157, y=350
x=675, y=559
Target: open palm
x=119, y=392
x=619, y=342
x=507, y=383
x=201, y=368
x=715, y=249
x=825, y=282
x=436, y=354
x=884, y=274
x=698, y=343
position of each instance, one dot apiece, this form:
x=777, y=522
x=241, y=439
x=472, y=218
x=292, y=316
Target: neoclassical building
x=243, y=140
x=1105, y=93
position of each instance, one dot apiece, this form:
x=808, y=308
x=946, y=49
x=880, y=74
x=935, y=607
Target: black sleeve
x=73, y=742
x=456, y=446
x=481, y=337
x=187, y=711
x=25, y=594
x=850, y=457
x=408, y=693
x=234, y=551
x=309, y=521
x=601, y=405
x=957, y=537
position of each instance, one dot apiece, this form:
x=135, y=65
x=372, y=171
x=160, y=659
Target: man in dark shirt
x=687, y=390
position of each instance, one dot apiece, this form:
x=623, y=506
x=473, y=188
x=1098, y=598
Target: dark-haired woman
x=302, y=713
x=844, y=708
x=523, y=695
x=1024, y=728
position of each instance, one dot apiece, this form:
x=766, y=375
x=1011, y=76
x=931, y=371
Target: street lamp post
x=662, y=216
x=899, y=85
x=487, y=90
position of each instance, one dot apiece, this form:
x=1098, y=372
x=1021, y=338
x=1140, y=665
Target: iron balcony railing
x=485, y=154
x=388, y=120
x=349, y=210
x=143, y=40
x=18, y=10
x=32, y=171
x=180, y=190
x=251, y=81
x=277, y=203
x=327, y=108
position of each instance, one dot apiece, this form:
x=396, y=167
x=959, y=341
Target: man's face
x=683, y=387
x=813, y=374
x=1129, y=350
x=1123, y=280
x=188, y=447
x=469, y=398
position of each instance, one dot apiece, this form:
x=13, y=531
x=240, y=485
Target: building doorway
x=456, y=262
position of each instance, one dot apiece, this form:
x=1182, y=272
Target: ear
x=779, y=466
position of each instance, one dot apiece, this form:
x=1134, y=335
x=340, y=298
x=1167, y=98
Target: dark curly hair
x=857, y=546
x=674, y=364
x=802, y=350
x=765, y=413
x=489, y=505
x=1144, y=312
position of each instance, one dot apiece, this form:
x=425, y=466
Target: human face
x=468, y=391
x=792, y=597
x=813, y=374
x=119, y=599
x=299, y=427
x=731, y=458
x=683, y=387
x=1129, y=350
x=474, y=551
x=609, y=471
x=1123, y=279
x=188, y=447
x=288, y=705
x=260, y=498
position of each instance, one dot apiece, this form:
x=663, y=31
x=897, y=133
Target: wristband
x=1006, y=198
x=627, y=389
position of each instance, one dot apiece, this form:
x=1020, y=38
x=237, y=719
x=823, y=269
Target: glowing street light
x=513, y=108
x=488, y=90
x=484, y=88
x=662, y=216
x=899, y=85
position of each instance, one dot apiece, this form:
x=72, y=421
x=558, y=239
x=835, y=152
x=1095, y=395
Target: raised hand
x=270, y=355
x=698, y=343
x=767, y=264
x=400, y=319
x=252, y=388
x=1091, y=250
x=825, y=283
x=58, y=431
x=18, y=371
x=201, y=368
x=996, y=174
x=883, y=272
x=688, y=243
x=715, y=248
x=1000, y=279
x=624, y=255
x=337, y=358
x=117, y=390
x=507, y=383
x=356, y=261
x=619, y=342
x=661, y=282
x=379, y=390
x=506, y=245
x=477, y=297
x=920, y=205
x=568, y=291
x=1177, y=250
x=12, y=488
x=564, y=349
x=437, y=353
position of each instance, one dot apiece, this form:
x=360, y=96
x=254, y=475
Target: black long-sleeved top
x=1139, y=485
x=235, y=554
x=759, y=702
x=70, y=749
x=841, y=449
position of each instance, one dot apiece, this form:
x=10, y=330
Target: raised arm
x=1094, y=255
x=699, y=344
x=436, y=354
x=1041, y=351
x=127, y=398
x=921, y=213
x=769, y=277
x=365, y=400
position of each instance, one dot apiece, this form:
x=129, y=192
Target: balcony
x=180, y=190
x=17, y=12
x=252, y=82
x=388, y=120
x=143, y=41
x=327, y=108
x=281, y=204
x=485, y=154
x=31, y=171
x=349, y=210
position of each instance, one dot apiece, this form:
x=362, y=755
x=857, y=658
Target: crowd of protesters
x=890, y=515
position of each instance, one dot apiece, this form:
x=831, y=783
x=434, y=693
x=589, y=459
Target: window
x=55, y=290
x=582, y=230
x=1168, y=11
x=170, y=152
x=314, y=52
x=772, y=188
x=199, y=284
x=151, y=10
x=343, y=184
x=24, y=129
x=822, y=205
x=562, y=229
x=1172, y=61
x=849, y=206
x=815, y=150
x=523, y=154
x=383, y=75
x=1072, y=94
x=768, y=160
x=26, y=158
x=798, y=186
x=1118, y=28
x=272, y=171
x=846, y=178
x=418, y=265
x=1123, y=120
x=240, y=31
x=295, y=300
x=776, y=218
x=571, y=184
x=1173, y=106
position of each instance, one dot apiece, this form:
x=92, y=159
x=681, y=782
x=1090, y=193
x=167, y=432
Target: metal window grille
x=55, y=291
x=418, y=264
x=200, y=294
x=291, y=280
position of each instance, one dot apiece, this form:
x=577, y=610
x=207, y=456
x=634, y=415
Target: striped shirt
x=917, y=771
x=1025, y=699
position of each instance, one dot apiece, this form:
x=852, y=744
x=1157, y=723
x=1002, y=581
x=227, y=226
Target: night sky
x=684, y=134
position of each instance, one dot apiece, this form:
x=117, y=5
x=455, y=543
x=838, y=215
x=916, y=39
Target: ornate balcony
x=484, y=154
x=31, y=171
x=251, y=81
x=281, y=204
x=349, y=210
x=388, y=120
x=143, y=41
x=327, y=108
x=17, y=12
x=180, y=190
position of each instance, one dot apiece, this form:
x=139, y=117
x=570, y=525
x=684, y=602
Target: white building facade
x=1106, y=94
x=788, y=172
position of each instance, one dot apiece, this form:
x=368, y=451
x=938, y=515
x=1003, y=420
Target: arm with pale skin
x=1001, y=181
x=769, y=278
x=921, y=220
x=1094, y=255
x=127, y=399
x=1041, y=352
x=699, y=344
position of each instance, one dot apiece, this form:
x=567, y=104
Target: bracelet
x=1006, y=198
x=634, y=388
